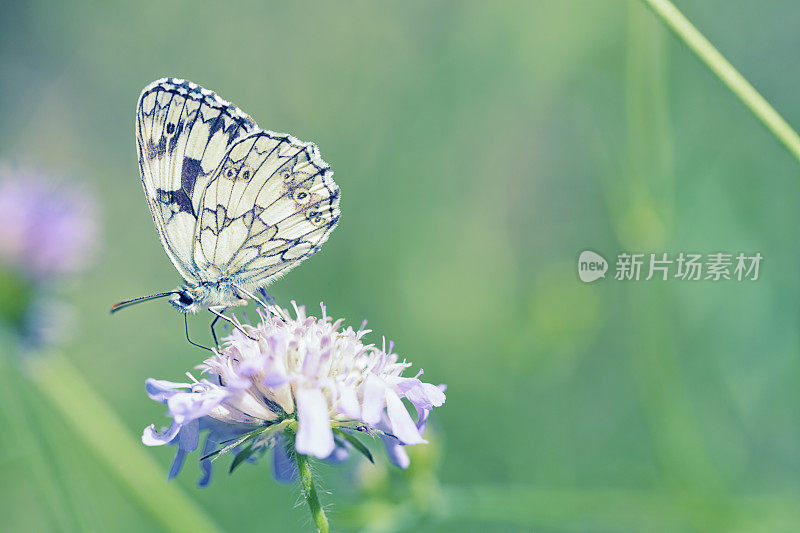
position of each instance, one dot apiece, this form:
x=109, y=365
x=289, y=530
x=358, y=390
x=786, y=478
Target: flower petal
x=151, y=437
x=338, y=455
x=423, y=395
x=403, y=426
x=284, y=469
x=422, y=419
x=314, y=435
x=177, y=463
x=185, y=406
x=206, y=465
x=160, y=390
x=396, y=452
x=423, y=414
x=348, y=403
x=251, y=365
x=189, y=436
x=373, y=401
x=274, y=379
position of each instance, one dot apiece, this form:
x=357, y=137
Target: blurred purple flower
x=46, y=229
x=305, y=378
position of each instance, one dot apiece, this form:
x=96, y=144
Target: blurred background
x=480, y=147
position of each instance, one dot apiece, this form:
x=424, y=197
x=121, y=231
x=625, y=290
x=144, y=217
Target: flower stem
x=720, y=66
x=310, y=493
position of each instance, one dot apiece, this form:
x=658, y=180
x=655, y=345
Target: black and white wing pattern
x=231, y=202
x=271, y=204
x=183, y=132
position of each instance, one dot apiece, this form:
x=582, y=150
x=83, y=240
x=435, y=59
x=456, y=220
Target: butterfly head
x=192, y=298
x=187, y=299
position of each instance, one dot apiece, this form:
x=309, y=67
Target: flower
x=301, y=385
x=45, y=230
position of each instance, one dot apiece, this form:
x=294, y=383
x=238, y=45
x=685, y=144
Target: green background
x=479, y=147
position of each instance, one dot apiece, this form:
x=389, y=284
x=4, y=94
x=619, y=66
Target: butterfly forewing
x=183, y=133
x=271, y=204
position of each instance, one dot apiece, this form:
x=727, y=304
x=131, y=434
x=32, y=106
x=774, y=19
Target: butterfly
x=235, y=206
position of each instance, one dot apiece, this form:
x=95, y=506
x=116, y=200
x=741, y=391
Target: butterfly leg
x=213, y=323
x=270, y=304
x=217, y=311
x=186, y=329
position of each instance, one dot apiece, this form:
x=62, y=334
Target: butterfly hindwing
x=183, y=132
x=271, y=204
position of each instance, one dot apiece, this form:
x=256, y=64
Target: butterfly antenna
x=127, y=303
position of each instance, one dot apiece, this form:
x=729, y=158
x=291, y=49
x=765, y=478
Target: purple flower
x=46, y=230
x=304, y=385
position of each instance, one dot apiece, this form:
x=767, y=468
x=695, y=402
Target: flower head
x=45, y=229
x=302, y=385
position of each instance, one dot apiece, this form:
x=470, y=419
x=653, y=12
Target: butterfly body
x=235, y=206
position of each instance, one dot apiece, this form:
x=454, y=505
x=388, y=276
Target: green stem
x=720, y=66
x=654, y=354
x=15, y=399
x=107, y=439
x=310, y=494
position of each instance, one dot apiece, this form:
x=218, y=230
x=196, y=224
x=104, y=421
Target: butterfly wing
x=183, y=133
x=271, y=204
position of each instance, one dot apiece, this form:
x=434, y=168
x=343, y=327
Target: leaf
x=241, y=457
x=357, y=444
x=216, y=454
x=212, y=454
x=263, y=432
